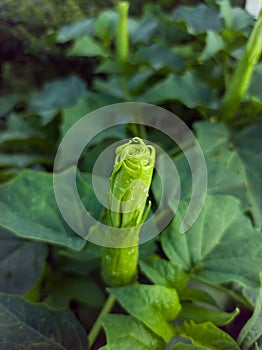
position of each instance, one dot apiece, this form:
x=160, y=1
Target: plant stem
x=122, y=31
x=243, y=74
x=97, y=325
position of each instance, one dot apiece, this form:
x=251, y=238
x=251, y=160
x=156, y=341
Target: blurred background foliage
x=59, y=61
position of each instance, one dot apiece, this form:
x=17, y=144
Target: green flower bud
x=129, y=186
x=130, y=183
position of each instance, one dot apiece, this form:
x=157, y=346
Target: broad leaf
x=221, y=246
x=233, y=164
x=198, y=18
x=17, y=273
x=124, y=332
x=151, y=304
x=25, y=325
x=204, y=336
x=252, y=330
x=158, y=56
x=164, y=273
x=55, y=96
x=187, y=89
x=28, y=208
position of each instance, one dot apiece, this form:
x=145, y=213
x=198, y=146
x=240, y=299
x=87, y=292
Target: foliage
x=200, y=290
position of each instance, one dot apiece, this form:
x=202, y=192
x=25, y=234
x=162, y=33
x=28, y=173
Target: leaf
x=70, y=115
x=187, y=89
x=214, y=44
x=105, y=25
x=124, y=332
x=201, y=314
x=21, y=160
x=28, y=209
x=151, y=304
x=141, y=31
x=158, y=56
x=254, y=92
x=24, y=325
x=7, y=102
x=207, y=336
x=233, y=162
x=55, y=96
x=18, y=129
x=13, y=265
x=75, y=30
x=62, y=288
x=221, y=246
x=198, y=19
x=164, y=273
x=87, y=47
x=252, y=330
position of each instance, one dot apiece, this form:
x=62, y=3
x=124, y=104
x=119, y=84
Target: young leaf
x=164, y=273
x=151, y=304
x=28, y=208
x=13, y=265
x=221, y=246
x=206, y=335
x=24, y=325
x=124, y=332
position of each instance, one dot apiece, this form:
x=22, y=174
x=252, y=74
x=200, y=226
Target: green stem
x=97, y=325
x=122, y=31
x=243, y=73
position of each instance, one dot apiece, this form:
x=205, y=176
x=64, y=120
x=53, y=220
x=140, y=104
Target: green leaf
x=21, y=160
x=105, y=25
x=151, y=304
x=158, y=56
x=24, y=325
x=75, y=30
x=183, y=346
x=187, y=89
x=141, y=31
x=254, y=92
x=252, y=330
x=198, y=19
x=18, y=129
x=7, y=102
x=233, y=162
x=221, y=246
x=87, y=47
x=28, y=208
x=164, y=273
x=201, y=314
x=62, y=288
x=17, y=274
x=206, y=336
x=71, y=115
x=124, y=332
x=214, y=44
x=55, y=96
